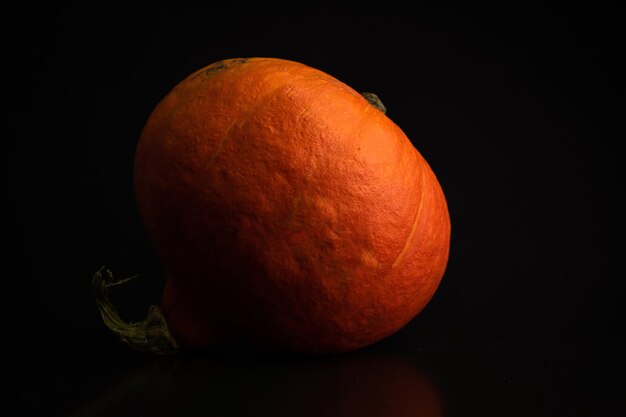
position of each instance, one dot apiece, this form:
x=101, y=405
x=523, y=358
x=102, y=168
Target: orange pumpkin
x=287, y=208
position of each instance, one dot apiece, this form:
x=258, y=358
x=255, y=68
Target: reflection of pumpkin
x=287, y=208
x=359, y=384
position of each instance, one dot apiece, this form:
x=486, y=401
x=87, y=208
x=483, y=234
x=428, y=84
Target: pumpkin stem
x=150, y=335
x=375, y=101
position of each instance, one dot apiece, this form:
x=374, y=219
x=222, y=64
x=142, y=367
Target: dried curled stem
x=150, y=335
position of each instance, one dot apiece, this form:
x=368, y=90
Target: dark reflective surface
x=361, y=384
x=394, y=378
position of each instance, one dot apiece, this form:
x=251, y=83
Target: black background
x=514, y=108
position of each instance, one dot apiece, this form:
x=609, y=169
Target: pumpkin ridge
x=243, y=120
x=409, y=238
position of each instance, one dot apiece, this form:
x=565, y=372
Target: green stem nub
x=375, y=101
x=150, y=335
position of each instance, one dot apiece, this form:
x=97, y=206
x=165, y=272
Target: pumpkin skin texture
x=287, y=209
